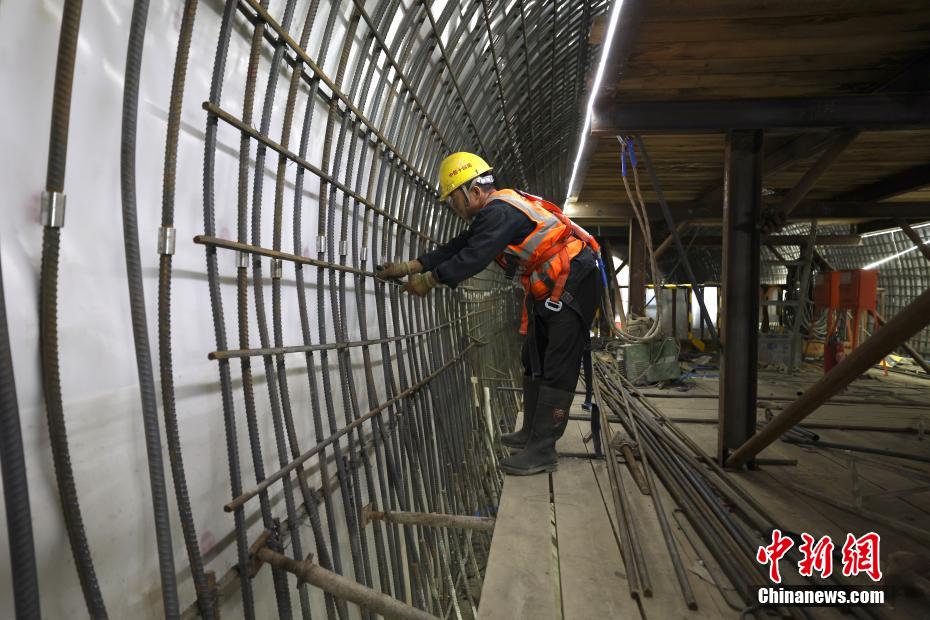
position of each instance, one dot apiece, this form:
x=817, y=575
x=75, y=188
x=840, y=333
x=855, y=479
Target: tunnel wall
x=385, y=90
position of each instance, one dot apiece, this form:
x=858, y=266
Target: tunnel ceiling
x=506, y=80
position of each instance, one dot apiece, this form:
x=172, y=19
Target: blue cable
x=600, y=264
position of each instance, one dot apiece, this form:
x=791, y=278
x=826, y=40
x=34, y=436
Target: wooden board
x=590, y=566
x=520, y=576
x=588, y=577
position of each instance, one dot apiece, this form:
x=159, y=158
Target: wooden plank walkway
x=555, y=552
x=521, y=569
x=575, y=571
x=592, y=576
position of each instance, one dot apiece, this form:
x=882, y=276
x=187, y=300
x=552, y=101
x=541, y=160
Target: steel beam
x=637, y=263
x=779, y=158
x=782, y=240
x=875, y=111
x=740, y=310
x=815, y=172
x=593, y=212
x=886, y=339
x=669, y=240
x=915, y=238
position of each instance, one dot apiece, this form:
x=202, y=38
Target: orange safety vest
x=544, y=257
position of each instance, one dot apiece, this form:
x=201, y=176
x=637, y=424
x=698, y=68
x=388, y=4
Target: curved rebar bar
x=15, y=483
x=140, y=332
x=172, y=432
x=48, y=315
x=386, y=91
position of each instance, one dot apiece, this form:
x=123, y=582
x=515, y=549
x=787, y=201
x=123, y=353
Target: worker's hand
x=392, y=271
x=421, y=283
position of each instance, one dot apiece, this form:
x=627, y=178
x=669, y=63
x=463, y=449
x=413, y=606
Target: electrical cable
x=654, y=330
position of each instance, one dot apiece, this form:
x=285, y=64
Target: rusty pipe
x=669, y=240
x=343, y=587
x=431, y=519
x=633, y=466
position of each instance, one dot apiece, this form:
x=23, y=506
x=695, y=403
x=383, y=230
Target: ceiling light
x=589, y=113
x=889, y=231
x=890, y=258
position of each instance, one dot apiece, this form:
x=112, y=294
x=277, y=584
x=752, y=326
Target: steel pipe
x=431, y=519
x=343, y=588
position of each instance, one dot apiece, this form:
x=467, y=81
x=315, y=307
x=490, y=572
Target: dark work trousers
x=559, y=338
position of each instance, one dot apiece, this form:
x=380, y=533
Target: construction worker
x=556, y=262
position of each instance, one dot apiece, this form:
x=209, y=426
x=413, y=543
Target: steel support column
x=637, y=264
x=739, y=335
x=613, y=292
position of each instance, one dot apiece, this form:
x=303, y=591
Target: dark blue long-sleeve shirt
x=496, y=226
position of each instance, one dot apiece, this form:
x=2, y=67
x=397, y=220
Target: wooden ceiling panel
x=871, y=158
x=740, y=49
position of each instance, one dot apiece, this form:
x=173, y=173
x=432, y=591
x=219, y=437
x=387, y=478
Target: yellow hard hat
x=458, y=169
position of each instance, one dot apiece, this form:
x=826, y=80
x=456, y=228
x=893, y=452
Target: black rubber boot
x=530, y=398
x=549, y=423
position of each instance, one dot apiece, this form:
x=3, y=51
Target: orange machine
x=858, y=294
x=853, y=290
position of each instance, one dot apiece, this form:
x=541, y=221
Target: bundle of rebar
x=729, y=521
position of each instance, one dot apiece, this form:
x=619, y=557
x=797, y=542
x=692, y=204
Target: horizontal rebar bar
x=300, y=161
x=334, y=88
x=306, y=348
x=267, y=482
x=431, y=519
x=343, y=587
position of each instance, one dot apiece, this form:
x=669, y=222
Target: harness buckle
x=555, y=306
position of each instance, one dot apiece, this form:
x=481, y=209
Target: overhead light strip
x=890, y=258
x=891, y=231
x=589, y=113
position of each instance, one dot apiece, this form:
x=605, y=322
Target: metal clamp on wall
x=166, y=240
x=53, y=209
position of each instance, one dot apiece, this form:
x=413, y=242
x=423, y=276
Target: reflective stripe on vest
x=548, y=227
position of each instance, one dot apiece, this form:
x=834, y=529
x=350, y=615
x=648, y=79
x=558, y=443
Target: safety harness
x=545, y=255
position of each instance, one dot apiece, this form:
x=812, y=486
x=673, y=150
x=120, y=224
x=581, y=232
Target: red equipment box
x=858, y=289
x=827, y=289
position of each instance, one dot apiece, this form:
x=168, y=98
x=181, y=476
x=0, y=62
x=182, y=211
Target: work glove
x=392, y=271
x=421, y=283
